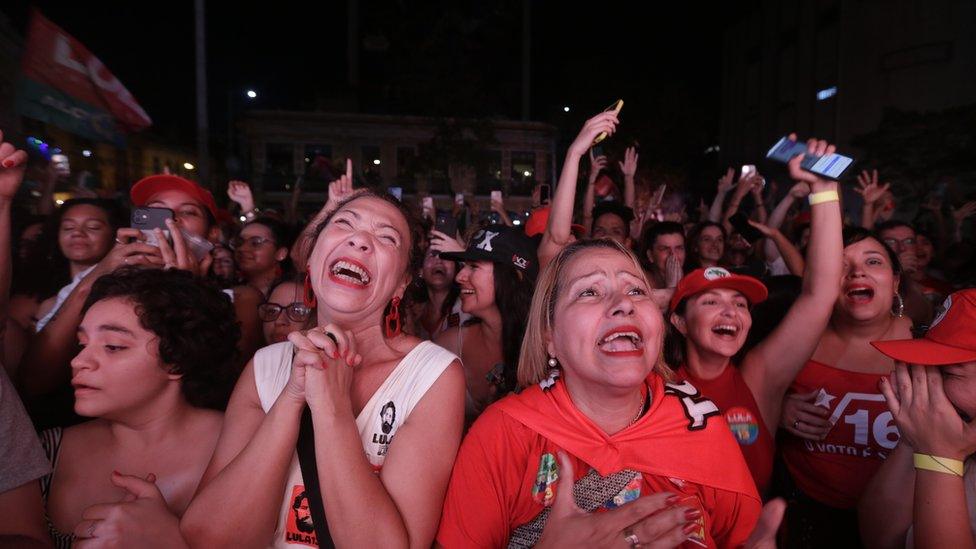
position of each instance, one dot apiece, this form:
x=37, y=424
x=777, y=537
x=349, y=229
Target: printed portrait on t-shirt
x=388, y=415
x=299, y=528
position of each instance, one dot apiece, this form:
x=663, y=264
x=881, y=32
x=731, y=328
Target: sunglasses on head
x=297, y=312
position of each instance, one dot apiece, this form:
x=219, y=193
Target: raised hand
x=653, y=520
x=178, y=255
x=815, y=147
x=962, y=212
x=804, y=419
x=240, y=192
x=445, y=243
x=727, y=181
x=141, y=519
x=603, y=122
x=13, y=162
x=868, y=187
x=597, y=165
x=927, y=421
x=629, y=166
x=341, y=188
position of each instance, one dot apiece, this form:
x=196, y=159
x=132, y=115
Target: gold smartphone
x=615, y=107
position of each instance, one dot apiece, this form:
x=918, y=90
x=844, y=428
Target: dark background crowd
x=466, y=118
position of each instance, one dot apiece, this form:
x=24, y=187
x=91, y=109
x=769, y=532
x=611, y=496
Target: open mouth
x=349, y=273
x=860, y=294
x=467, y=291
x=622, y=341
x=726, y=330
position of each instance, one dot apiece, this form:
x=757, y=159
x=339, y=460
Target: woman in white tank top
x=387, y=409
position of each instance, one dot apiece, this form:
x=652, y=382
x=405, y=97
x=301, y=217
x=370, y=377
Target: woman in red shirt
x=597, y=409
x=710, y=311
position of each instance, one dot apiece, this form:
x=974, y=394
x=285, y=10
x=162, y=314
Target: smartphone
x=740, y=222
x=148, y=219
x=615, y=107
x=544, y=193
x=446, y=224
x=427, y=204
x=597, y=151
x=747, y=171
x=831, y=166
x=459, y=199
x=397, y=192
x=496, y=196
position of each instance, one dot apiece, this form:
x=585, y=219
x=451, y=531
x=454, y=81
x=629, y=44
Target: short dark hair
x=853, y=235
x=612, y=207
x=892, y=224
x=654, y=230
x=195, y=323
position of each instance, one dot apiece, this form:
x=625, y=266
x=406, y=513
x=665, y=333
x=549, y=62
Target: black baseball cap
x=501, y=244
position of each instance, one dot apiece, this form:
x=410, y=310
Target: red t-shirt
x=506, y=473
x=835, y=471
x=733, y=397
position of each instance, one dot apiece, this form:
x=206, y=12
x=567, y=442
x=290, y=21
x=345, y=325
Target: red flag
x=55, y=59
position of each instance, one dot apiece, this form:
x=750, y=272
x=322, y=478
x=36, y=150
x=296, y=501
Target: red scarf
x=662, y=442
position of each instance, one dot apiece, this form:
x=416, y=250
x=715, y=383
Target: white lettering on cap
x=715, y=273
x=486, y=243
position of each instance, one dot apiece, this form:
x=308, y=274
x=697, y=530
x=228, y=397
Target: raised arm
x=339, y=190
x=245, y=479
x=725, y=184
x=799, y=191
x=871, y=192
x=741, y=190
x=629, y=168
x=558, y=231
x=597, y=164
x=12, y=165
x=771, y=366
x=791, y=256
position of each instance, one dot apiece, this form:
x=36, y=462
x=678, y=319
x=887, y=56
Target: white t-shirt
x=378, y=422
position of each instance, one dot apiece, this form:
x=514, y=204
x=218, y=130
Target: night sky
x=446, y=58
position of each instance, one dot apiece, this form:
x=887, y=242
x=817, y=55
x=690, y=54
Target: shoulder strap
x=310, y=476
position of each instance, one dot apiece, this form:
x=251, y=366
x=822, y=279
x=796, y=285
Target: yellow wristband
x=824, y=196
x=939, y=464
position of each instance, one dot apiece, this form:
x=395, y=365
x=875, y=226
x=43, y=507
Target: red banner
x=54, y=58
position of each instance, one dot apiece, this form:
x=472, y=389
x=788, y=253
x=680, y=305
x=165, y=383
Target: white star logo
x=824, y=398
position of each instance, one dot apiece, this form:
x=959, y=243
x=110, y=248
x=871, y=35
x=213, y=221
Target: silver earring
x=553, y=362
x=901, y=306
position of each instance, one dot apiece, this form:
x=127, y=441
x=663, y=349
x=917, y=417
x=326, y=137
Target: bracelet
x=939, y=464
x=823, y=196
x=251, y=215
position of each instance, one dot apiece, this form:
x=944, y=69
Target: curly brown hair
x=194, y=321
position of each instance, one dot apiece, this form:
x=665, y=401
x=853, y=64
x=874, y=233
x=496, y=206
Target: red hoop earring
x=309, y=296
x=391, y=322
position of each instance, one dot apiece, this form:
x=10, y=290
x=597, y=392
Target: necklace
x=640, y=410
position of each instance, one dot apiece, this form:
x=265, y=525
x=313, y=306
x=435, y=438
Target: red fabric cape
x=659, y=443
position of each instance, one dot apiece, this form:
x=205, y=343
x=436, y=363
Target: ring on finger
x=631, y=538
x=119, y=240
x=125, y=260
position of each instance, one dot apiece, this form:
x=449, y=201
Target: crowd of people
x=615, y=371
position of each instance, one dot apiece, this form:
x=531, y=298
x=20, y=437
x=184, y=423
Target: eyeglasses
x=254, y=242
x=297, y=312
x=894, y=242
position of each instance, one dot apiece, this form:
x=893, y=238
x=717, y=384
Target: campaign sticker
x=743, y=424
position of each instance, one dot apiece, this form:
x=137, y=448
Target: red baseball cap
x=950, y=340
x=709, y=278
x=539, y=218
x=147, y=187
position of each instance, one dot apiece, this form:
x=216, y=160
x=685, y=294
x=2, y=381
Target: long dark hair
x=513, y=297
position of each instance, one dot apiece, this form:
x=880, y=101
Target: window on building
x=490, y=173
x=279, y=166
x=406, y=168
x=370, y=164
x=523, y=173
x=320, y=169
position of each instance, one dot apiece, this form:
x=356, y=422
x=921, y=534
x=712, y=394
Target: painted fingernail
x=690, y=528
x=672, y=500
x=692, y=514
x=7, y=163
